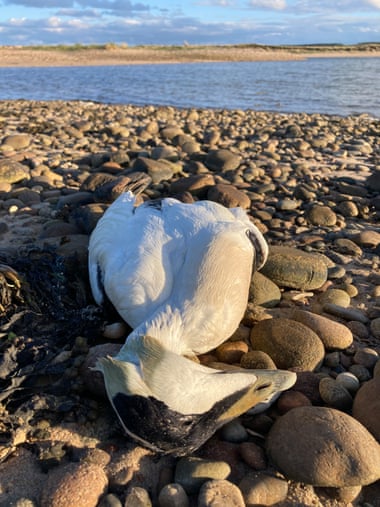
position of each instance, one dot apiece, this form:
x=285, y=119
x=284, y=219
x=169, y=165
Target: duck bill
x=267, y=388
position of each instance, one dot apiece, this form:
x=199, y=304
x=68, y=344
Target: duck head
x=172, y=404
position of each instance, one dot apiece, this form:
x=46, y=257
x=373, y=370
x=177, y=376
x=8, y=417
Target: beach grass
x=112, y=53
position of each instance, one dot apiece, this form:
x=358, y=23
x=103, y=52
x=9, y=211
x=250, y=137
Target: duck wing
x=134, y=256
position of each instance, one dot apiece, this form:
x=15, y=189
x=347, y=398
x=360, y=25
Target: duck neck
x=166, y=326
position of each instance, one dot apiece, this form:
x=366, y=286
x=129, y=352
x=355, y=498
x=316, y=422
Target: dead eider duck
x=179, y=275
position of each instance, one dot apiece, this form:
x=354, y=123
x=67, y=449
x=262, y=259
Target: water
x=340, y=86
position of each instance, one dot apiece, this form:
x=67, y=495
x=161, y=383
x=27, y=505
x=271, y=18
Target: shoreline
x=307, y=181
x=115, y=55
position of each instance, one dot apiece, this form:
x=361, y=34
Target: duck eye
x=263, y=386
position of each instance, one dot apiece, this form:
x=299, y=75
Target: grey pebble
x=321, y=215
x=220, y=493
x=360, y=371
x=294, y=268
x=366, y=356
x=345, y=313
x=349, y=381
x=137, y=497
x=110, y=500
x=173, y=495
x=192, y=472
x=334, y=394
x=222, y=160
x=234, y=432
x=335, y=296
x=263, y=291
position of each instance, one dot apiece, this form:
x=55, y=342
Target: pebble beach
x=311, y=183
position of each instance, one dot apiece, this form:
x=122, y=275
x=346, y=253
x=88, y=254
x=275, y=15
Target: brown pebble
x=74, y=484
x=344, y=495
x=137, y=497
x=253, y=455
x=366, y=357
x=259, y=488
x=231, y=352
x=291, y=399
x=257, y=360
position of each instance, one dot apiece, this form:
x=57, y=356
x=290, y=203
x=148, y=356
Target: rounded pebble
x=321, y=215
x=288, y=343
x=335, y=394
x=231, y=352
x=110, y=500
x=257, y=360
x=293, y=268
x=74, y=484
x=259, y=488
x=334, y=335
x=335, y=296
x=263, y=292
x=360, y=371
x=375, y=327
x=366, y=407
x=366, y=357
x=348, y=381
x=173, y=495
x=192, y=472
x=234, y=432
x=291, y=399
x=253, y=455
x=137, y=497
x=324, y=447
x=219, y=493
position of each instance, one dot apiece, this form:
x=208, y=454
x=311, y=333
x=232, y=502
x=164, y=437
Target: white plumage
x=179, y=275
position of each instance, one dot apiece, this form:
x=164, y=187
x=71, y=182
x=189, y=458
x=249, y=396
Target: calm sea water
x=324, y=85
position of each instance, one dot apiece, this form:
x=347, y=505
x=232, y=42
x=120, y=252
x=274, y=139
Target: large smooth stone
x=289, y=343
x=321, y=215
x=158, y=170
x=263, y=292
x=222, y=160
x=366, y=408
x=324, y=447
x=18, y=141
x=12, y=171
x=196, y=184
x=229, y=196
x=290, y=267
x=333, y=334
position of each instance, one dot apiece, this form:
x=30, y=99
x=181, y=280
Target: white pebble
x=115, y=331
x=349, y=381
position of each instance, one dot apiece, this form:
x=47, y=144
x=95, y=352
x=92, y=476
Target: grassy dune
x=122, y=54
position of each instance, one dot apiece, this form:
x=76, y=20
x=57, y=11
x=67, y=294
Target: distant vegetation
x=364, y=46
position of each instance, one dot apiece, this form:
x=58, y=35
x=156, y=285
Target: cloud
x=277, y=5
x=114, y=6
x=136, y=22
x=117, y=7
x=42, y=4
x=216, y=3
x=79, y=13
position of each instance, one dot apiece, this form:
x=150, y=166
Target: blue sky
x=26, y=22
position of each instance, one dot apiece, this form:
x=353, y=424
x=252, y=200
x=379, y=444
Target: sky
x=169, y=22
